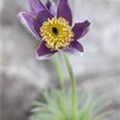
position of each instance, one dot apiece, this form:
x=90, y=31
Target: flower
x=54, y=30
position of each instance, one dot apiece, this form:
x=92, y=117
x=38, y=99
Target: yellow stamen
x=57, y=33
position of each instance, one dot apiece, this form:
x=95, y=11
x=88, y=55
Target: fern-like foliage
x=58, y=106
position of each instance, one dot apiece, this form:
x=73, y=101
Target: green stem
x=74, y=89
x=60, y=75
x=59, y=70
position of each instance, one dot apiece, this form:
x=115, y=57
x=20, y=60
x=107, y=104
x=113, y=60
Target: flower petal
x=39, y=10
x=80, y=29
x=43, y=16
x=74, y=48
x=31, y=23
x=64, y=11
x=36, y=6
x=43, y=52
x=76, y=45
x=50, y=6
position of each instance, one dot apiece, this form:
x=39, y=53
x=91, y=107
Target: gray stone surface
x=24, y=77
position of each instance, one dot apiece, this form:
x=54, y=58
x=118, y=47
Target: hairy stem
x=73, y=84
x=59, y=70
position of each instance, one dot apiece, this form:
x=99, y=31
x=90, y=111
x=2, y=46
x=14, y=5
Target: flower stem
x=59, y=70
x=74, y=89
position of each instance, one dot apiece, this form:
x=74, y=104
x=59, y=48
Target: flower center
x=57, y=33
x=55, y=30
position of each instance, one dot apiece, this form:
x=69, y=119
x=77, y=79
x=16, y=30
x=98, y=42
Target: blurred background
x=24, y=77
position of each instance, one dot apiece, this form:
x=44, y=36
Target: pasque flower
x=53, y=29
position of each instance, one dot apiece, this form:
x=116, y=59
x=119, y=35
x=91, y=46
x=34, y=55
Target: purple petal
x=76, y=45
x=64, y=11
x=36, y=6
x=50, y=6
x=43, y=52
x=43, y=16
x=80, y=29
x=31, y=23
x=39, y=10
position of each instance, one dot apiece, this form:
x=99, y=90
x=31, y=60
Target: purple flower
x=54, y=30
